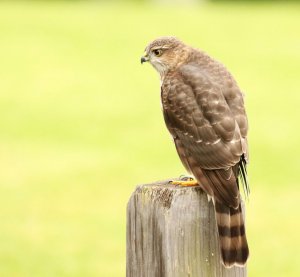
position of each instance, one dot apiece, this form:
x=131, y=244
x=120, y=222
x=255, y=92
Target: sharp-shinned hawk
x=203, y=108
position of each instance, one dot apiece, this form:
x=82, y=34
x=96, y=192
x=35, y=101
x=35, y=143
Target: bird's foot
x=185, y=181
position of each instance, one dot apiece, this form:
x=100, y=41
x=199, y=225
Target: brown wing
x=201, y=121
x=235, y=101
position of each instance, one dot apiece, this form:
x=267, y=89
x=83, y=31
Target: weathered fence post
x=171, y=232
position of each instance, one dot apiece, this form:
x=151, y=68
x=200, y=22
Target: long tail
x=233, y=242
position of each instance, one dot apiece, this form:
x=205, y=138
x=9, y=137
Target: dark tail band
x=231, y=229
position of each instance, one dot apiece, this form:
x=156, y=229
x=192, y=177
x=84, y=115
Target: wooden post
x=171, y=232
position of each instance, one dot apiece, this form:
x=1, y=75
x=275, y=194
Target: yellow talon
x=185, y=183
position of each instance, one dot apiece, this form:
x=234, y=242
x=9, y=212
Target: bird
x=203, y=108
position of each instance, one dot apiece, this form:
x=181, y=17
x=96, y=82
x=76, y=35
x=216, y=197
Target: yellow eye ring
x=157, y=52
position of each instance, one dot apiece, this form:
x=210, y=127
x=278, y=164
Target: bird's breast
x=164, y=90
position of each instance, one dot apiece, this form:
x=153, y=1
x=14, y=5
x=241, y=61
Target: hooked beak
x=144, y=58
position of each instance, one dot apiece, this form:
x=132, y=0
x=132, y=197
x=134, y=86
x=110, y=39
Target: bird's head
x=164, y=53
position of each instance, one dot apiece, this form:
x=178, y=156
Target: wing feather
x=198, y=115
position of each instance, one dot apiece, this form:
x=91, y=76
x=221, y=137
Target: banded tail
x=232, y=236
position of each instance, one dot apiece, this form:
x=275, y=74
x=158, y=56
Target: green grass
x=81, y=125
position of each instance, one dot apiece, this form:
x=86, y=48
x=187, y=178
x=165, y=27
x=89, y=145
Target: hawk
x=204, y=111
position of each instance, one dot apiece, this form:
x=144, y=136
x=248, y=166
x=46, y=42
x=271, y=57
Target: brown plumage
x=204, y=111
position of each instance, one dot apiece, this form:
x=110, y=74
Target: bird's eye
x=157, y=52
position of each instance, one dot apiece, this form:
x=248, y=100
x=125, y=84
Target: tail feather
x=242, y=174
x=231, y=229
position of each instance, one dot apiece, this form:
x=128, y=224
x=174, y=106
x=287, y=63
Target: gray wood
x=171, y=232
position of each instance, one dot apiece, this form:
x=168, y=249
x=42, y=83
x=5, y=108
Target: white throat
x=160, y=68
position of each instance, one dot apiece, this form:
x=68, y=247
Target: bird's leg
x=185, y=181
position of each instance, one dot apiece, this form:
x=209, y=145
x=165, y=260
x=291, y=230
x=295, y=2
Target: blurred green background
x=81, y=126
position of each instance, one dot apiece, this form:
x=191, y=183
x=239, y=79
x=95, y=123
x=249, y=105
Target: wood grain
x=171, y=232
